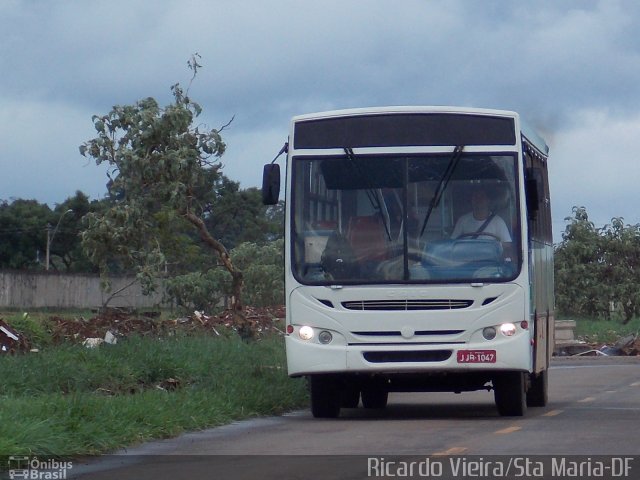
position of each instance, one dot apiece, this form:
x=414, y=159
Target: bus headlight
x=325, y=337
x=489, y=333
x=508, y=329
x=305, y=333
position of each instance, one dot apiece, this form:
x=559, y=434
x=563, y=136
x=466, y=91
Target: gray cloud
x=570, y=67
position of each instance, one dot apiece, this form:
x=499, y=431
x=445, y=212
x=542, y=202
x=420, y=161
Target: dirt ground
x=118, y=323
x=122, y=323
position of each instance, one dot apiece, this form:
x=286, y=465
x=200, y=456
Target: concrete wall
x=58, y=290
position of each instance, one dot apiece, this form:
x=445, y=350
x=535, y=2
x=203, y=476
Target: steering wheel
x=476, y=235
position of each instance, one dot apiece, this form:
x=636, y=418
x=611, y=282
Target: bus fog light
x=325, y=337
x=489, y=333
x=508, y=329
x=306, y=333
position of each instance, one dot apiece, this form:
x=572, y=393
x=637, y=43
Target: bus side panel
x=542, y=314
x=542, y=288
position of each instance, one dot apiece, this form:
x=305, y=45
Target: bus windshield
x=429, y=218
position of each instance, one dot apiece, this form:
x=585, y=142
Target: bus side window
x=538, y=201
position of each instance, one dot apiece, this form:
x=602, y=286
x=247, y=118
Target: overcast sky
x=572, y=68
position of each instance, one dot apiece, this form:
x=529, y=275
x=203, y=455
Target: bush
x=199, y=290
x=262, y=267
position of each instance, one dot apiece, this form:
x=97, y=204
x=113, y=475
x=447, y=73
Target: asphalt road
x=594, y=409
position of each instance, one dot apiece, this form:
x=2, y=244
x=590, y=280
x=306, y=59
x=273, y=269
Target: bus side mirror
x=270, y=184
x=533, y=184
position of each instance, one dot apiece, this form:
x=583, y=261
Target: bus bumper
x=307, y=358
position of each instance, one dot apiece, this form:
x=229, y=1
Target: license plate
x=476, y=356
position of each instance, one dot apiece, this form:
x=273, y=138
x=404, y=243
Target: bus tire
x=350, y=396
x=510, y=394
x=537, y=394
x=325, y=396
x=374, y=397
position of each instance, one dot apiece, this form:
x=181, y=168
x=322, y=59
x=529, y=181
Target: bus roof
x=532, y=136
x=527, y=132
x=403, y=109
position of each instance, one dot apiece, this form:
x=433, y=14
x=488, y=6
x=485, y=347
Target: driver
x=481, y=220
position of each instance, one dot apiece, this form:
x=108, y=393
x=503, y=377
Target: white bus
x=418, y=255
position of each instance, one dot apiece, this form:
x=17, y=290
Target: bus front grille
x=413, y=356
x=424, y=304
x=398, y=333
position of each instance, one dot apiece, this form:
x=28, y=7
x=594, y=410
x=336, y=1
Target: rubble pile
x=119, y=323
x=625, y=346
x=11, y=341
x=628, y=346
x=634, y=348
x=109, y=325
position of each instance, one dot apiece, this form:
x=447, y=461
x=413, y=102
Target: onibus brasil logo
x=32, y=468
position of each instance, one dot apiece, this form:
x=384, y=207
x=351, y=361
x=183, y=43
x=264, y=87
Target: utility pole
x=46, y=261
x=50, y=237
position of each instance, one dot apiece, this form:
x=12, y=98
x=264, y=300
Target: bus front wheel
x=510, y=394
x=325, y=396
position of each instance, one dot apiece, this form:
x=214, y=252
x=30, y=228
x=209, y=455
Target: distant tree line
x=597, y=270
x=27, y=226
x=237, y=217
x=193, y=277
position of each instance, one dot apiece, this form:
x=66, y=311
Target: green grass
x=605, y=331
x=34, y=326
x=69, y=400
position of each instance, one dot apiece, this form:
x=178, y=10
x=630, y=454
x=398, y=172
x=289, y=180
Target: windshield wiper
x=373, y=197
x=442, y=184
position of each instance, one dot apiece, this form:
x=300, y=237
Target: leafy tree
x=204, y=290
x=66, y=246
x=238, y=216
x=622, y=266
x=23, y=236
x=163, y=168
x=579, y=267
x=262, y=270
x=25, y=225
x=595, y=267
x=275, y=219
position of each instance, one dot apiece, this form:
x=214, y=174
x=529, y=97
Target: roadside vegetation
x=597, y=272
x=597, y=269
x=603, y=332
x=69, y=400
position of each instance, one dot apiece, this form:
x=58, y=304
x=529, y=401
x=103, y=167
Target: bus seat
x=368, y=238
